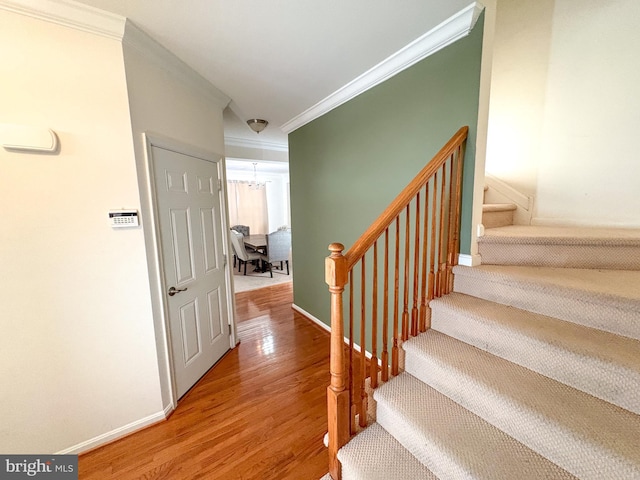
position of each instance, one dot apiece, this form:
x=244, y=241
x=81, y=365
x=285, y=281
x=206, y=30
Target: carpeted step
x=497, y=214
x=586, y=436
x=603, y=299
x=374, y=454
x=450, y=440
x=597, y=362
x=605, y=248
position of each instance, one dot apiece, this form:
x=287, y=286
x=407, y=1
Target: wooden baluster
x=456, y=245
x=405, y=310
x=441, y=244
x=423, y=284
x=338, y=401
x=385, y=310
x=432, y=260
x=451, y=218
x=363, y=347
x=354, y=402
x=416, y=268
x=396, y=295
x=374, y=320
x=451, y=221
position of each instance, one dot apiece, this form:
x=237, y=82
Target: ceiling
x=275, y=59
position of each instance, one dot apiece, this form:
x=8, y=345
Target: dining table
x=258, y=242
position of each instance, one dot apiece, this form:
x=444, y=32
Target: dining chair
x=243, y=229
x=237, y=242
x=278, y=249
x=235, y=255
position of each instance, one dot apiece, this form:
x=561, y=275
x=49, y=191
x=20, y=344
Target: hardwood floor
x=260, y=413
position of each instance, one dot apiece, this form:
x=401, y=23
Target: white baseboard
x=469, y=260
x=326, y=327
x=314, y=319
x=117, y=433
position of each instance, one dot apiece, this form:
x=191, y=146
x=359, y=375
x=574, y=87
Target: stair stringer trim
x=501, y=192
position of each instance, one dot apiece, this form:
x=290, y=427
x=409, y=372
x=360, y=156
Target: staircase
x=531, y=368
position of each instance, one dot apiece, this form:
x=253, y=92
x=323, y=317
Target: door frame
x=152, y=236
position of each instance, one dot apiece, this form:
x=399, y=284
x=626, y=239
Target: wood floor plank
x=260, y=413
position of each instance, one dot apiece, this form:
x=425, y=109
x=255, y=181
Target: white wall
x=164, y=104
x=77, y=349
x=564, y=108
x=522, y=40
x=482, y=128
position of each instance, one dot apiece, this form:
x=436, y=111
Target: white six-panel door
x=190, y=221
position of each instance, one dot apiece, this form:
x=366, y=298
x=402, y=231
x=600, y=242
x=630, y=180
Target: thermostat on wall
x=123, y=218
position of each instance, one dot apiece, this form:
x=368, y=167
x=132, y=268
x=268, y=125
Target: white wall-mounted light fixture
x=28, y=138
x=257, y=124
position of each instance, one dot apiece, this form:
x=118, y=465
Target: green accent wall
x=348, y=165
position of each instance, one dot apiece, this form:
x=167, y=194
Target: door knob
x=173, y=290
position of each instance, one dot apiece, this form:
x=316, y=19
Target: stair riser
x=609, y=382
x=566, y=256
x=543, y=436
x=497, y=219
x=557, y=304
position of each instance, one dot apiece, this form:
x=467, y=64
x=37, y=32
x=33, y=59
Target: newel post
x=338, y=401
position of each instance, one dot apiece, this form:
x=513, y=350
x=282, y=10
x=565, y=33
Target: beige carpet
x=254, y=280
x=577, y=235
x=452, y=441
x=571, y=247
x=576, y=431
x=605, y=299
x=531, y=368
x=571, y=353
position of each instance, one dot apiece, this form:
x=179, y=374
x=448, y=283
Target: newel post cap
x=336, y=266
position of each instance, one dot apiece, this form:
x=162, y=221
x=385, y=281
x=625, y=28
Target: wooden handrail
x=366, y=240
x=431, y=252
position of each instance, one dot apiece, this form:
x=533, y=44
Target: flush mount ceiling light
x=257, y=124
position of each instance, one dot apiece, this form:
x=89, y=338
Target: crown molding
x=69, y=14
x=455, y=27
x=136, y=38
x=245, y=142
x=92, y=20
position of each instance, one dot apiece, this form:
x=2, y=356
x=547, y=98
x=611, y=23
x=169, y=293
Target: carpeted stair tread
x=587, y=436
x=498, y=207
x=561, y=247
x=526, y=235
x=603, y=299
x=374, y=454
x=450, y=440
x=597, y=362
